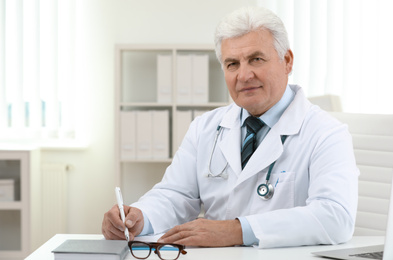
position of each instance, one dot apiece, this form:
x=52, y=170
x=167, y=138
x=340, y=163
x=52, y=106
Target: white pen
x=119, y=199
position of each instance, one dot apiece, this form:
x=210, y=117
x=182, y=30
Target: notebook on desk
x=383, y=252
x=91, y=249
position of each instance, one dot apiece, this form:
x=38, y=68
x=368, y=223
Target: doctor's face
x=255, y=75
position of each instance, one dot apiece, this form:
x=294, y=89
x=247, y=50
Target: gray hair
x=248, y=19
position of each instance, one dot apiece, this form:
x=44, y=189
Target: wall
x=100, y=24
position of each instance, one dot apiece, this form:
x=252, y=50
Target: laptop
x=383, y=252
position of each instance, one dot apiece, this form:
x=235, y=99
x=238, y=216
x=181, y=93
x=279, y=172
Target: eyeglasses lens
x=140, y=250
x=168, y=252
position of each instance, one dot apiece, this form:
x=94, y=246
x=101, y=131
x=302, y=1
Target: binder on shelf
x=7, y=189
x=184, y=78
x=144, y=134
x=183, y=120
x=127, y=135
x=164, y=78
x=160, y=134
x=200, y=78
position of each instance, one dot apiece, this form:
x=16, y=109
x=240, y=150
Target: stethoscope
x=264, y=190
x=223, y=173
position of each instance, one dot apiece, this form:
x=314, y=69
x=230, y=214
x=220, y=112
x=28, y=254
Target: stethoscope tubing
x=270, y=189
x=210, y=173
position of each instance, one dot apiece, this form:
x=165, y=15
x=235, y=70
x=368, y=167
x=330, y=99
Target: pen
x=119, y=199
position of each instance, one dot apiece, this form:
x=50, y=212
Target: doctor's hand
x=113, y=227
x=206, y=233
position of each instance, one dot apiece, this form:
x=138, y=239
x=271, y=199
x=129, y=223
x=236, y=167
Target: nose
x=245, y=73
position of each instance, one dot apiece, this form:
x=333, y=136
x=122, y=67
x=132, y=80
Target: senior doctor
x=310, y=156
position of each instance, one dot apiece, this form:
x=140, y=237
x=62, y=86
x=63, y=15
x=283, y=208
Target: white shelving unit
x=18, y=214
x=136, y=89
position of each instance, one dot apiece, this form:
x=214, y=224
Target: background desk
x=235, y=253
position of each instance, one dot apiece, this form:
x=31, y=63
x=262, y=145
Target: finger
x=113, y=234
x=132, y=217
x=187, y=238
x=169, y=233
x=115, y=219
x=174, y=234
x=112, y=226
x=134, y=220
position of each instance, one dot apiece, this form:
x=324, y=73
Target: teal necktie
x=254, y=124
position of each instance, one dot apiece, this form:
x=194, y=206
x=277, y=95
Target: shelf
x=147, y=161
x=172, y=82
x=207, y=105
x=164, y=47
x=19, y=234
x=10, y=205
x=158, y=105
x=144, y=104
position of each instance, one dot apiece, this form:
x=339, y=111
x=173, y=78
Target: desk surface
x=304, y=253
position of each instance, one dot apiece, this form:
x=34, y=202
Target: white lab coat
x=315, y=178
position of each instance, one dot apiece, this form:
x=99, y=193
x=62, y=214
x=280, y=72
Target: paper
x=149, y=238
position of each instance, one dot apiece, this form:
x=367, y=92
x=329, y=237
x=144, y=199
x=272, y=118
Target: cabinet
x=170, y=83
x=19, y=171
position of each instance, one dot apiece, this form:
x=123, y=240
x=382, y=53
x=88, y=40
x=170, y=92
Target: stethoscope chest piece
x=265, y=191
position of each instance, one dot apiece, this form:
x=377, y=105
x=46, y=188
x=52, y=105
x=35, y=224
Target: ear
x=288, y=58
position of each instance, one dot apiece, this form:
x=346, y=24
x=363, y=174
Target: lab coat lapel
x=271, y=147
x=229, y=141
x=267, y=152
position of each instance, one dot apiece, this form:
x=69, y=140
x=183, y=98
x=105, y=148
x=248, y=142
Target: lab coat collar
x=231, y=118
x=271, y=117
x=271, y=147
x=292, y=119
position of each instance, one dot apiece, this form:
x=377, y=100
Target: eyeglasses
x=142, y=250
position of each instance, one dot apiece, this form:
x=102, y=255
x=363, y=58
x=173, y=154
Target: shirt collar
x=271, y=117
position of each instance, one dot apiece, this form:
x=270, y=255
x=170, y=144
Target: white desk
x=238, y=253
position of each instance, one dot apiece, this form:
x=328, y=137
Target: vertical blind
x=341, y=48
x=37, y=41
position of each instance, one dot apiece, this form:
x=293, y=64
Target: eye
x=257, y=59
x=232, y=66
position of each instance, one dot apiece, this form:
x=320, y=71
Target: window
x=37, y=41
x=341, y=48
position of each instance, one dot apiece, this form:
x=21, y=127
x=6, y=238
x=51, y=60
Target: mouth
x=249, y=89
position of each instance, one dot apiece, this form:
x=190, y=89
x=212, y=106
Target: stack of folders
x=192, y=78
x=183, y=121
x=92, y=249
x=144, y=134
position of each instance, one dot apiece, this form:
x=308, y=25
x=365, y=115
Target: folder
x=183, y=120
x=160, y=134
x=127, y=135
x=144, y=134
x=184, y=78
x=164, y=78
x=200, y=78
